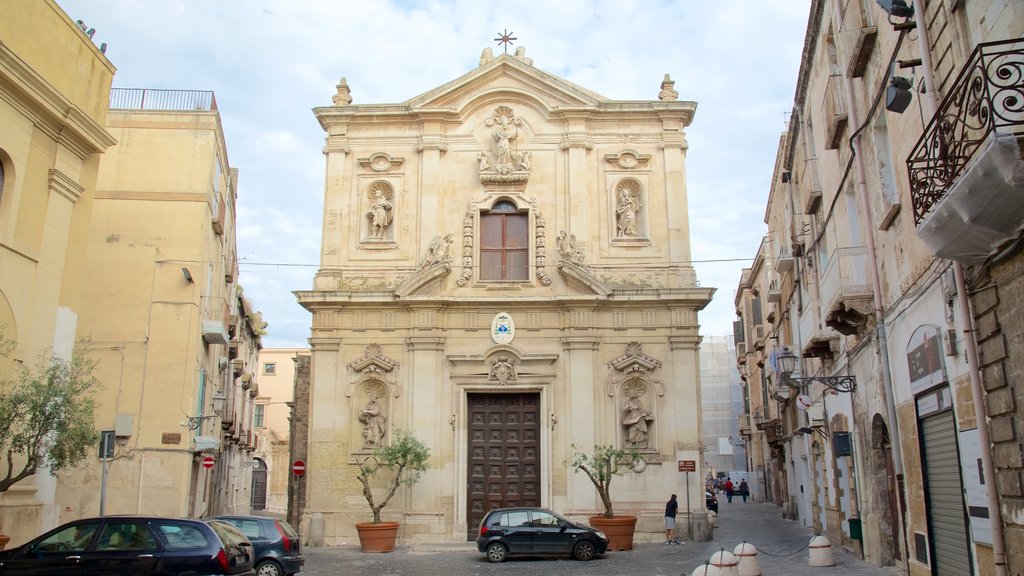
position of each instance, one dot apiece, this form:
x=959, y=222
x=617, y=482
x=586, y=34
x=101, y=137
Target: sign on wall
x=974, y=484
x=924, y=359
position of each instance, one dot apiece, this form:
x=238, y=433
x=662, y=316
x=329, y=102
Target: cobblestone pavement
x=782, y=545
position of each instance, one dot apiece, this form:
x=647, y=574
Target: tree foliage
x=46, y=416
x=603, y=464
x=403, y=462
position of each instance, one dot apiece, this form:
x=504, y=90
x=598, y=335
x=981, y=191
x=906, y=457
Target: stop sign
x=299, y=468
x=208, y=462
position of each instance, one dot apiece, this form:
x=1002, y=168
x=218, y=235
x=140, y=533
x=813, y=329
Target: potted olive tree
x=600, y=466
x=401, y=462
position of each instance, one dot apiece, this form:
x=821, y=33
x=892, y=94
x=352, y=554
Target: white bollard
x=726, y=562
x=746, y=554
x=706, y=569
x=821, y=552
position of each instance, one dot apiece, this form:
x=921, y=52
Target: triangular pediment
x=506, y=74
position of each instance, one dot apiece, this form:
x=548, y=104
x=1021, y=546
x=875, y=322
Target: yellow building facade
x=54, y=89
x=505, y=271
x=272, y=416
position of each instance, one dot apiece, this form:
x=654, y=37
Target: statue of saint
x=373, y=421
x=626, y=212
x=635, y=419
x=379, y=213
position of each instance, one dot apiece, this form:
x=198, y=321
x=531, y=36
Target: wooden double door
x=504, y=454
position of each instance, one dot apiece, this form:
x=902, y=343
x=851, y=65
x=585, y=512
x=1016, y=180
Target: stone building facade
x=505, y=271
x=54, y=91
x=890, y=271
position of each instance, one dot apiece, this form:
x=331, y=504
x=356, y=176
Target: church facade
x=506, y=273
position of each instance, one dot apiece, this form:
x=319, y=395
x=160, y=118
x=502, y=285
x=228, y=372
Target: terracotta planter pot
x=4, y=539
x=377, y=537
x=619, y=531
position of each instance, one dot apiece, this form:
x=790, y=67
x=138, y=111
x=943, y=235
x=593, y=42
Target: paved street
x=782, y=545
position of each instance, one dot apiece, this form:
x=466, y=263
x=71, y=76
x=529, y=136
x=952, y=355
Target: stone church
x=505, y=272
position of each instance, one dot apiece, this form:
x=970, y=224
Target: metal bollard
x=821, y=552
x=725, y=562
x=746, y=553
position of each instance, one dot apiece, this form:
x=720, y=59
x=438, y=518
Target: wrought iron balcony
x=966, y=172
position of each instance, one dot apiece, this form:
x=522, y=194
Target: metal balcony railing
x=148, y=99
x=987, y=97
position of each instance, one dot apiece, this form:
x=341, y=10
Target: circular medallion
x=503, y=329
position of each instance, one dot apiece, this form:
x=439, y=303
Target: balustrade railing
x=987, y=97
x=150, y=99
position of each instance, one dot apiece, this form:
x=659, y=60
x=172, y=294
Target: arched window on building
x=505, y=243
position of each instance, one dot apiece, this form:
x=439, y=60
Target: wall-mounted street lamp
x=787, y=364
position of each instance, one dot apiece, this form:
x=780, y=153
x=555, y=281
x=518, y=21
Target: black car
x=536, y=531
x=276, y=544
x=133, y=546
x=710, y=501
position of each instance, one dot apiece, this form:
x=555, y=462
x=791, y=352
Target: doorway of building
x=259, y=485
x=504, y=454
x=944, y=493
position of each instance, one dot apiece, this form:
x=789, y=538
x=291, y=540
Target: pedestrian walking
x=729, y=487
x=744, y=490
x=671, y=508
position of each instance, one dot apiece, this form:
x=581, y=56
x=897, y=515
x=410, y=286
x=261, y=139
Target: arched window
x=505, y=243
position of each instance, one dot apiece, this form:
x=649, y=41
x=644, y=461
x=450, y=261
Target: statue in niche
x=373, y=419
x=380, y=210
x=627, y=207
x=438, y=251
x=636, y=417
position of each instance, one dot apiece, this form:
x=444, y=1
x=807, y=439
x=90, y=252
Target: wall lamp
x=810, y=430
x=898, y=8
x=787, y=363
x=196, y=422
x=897, y=95
x=187, y=274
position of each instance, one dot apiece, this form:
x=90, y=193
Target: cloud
x=271, y=62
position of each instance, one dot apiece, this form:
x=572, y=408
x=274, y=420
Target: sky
x=270, y=62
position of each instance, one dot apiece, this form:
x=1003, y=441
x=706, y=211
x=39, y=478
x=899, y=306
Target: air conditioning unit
x=816, y=413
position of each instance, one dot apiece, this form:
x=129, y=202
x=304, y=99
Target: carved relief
x=503, y=370
x=467, y=250
x=627, y=159
x=380, y=195
x=505, y=164
x=437, y=252
x=381, y=162
x=627, y=207
x=568, y=249
x=542, y=273
x=373, y=365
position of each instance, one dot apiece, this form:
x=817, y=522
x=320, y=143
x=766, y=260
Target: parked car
x=710, y=500
x=508, y=532
x=134, y=546
x=276, y=545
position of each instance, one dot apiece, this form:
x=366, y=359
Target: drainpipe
x=969, y=330
x=881, y=341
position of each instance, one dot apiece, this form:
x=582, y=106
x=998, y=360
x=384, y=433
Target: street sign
x=687, y=465
x=299, y=468
x=208, y=462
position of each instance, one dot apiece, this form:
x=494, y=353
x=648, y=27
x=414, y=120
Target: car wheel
x=268, y=568
x=497, y=552
x=584, y=550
